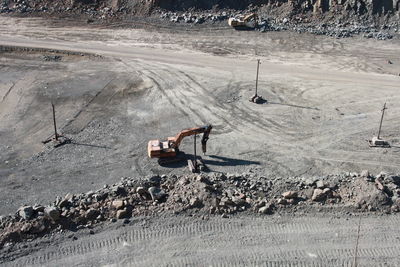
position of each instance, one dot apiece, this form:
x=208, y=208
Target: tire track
x=234, y=113
x=273, y=233
x=8, y=92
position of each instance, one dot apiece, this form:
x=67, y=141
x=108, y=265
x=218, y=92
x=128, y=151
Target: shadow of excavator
x=209, y=161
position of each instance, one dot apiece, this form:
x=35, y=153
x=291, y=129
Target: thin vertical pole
x=258, y=68
x=195, y=153
x=380, y=125
x=54, y=121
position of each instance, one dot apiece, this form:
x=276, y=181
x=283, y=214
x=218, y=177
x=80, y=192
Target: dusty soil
x=317, y=240
x=122, y=87
x=324, y=96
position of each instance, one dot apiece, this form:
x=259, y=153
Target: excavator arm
x=192, y=131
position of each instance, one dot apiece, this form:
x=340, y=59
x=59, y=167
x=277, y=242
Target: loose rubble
x=217, y=193
x=338, y=19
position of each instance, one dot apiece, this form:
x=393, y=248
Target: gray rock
x=118, y=204
x=64, y=203
x=89, y=194
x=318, y=195
x=121, y=214
x=156, y=193
x=26, y=212
x=290, y=194
x=38, y=208
x=320, y=184
x=141, y=190
x=375, y=200
x=52, y=212
x=155, y=180
x=238, y=201
x=265, y=210
x=92, y=214
x=118, y=190
x=195, y=203
x=309, y=181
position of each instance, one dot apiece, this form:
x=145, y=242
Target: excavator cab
x=161, y=149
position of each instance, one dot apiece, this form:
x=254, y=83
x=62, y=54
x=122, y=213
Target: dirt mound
x=222, y=194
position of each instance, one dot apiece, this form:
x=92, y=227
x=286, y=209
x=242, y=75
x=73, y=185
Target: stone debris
x=337, y=19
x=320, y=194
x=265, y=210
x=156, y=193
x=25, y=212
x=118, y=204
x=52, y=213
x=290, y=194
x=216, y=193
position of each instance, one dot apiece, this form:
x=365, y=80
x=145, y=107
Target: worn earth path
x=238, y=241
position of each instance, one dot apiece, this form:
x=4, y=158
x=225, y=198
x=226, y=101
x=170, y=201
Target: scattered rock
x=118, y=204
x=156, y=193
x=267, y=209
x=52, y=213
x=290, y=194
x=141, y=190
x=155, y=180
x=320, y=184
x=195, y=203
x=216, y=194
x=91, y=214
x=26, y=212
x=320, y=194
x=124, y=213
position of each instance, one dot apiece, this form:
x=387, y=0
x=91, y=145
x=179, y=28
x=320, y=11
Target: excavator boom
x=169, y=148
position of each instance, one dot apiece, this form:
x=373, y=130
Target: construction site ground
x=115, y=88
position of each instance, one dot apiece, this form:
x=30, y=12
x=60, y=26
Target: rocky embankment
x=204, y=195
x=336, y=18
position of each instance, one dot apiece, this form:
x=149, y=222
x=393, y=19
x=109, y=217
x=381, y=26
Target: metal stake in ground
x=376, y=141
x=258, y=69
x=58, y=139
x=195, y=154
x=256, y=98
x=54, y=121
x=380, y=125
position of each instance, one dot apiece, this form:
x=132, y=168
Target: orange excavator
x=170, y=147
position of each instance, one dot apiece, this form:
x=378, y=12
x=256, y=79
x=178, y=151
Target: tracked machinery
x=167, y=151
x=248, y=22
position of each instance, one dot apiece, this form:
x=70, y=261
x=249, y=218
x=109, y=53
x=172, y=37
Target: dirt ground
x=241, y=241
x=324, y=99
x=123, y=87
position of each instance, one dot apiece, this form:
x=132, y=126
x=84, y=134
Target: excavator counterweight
x=170, y=147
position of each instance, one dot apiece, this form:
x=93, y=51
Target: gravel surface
x=116, y=88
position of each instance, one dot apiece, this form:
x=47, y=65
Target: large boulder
x=25, y=212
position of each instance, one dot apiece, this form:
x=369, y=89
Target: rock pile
x=216, y=193
x=339, y=19
x=297, y=24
